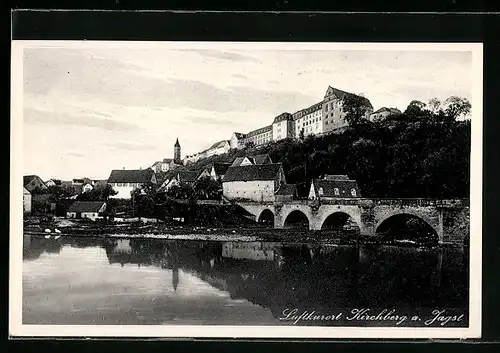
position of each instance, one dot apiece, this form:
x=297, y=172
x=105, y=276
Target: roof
x=261, y=159
x=187, y=176
x=221, y=168
x=237, y=161
x=55, y=181
x=282, y=117
x=341, y=94
x=390, y=110
x=330, y=185
x=239, y=135
x=177, y=144
x=336, y=177
x=312, y=108
x=167, y=160
x=82, y=180
x=28, y=178
x=260, y=131
x=219, y=144
x=130, y=176
x=86, y=206
x=287, y=189
x=26, y=191
x=252, y=172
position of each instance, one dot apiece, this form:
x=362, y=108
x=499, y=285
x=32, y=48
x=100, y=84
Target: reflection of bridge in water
x=447, y=219
x=320, y=277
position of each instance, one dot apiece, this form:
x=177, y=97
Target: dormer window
x=353, y=192
x=320, y=191
x=336, y=191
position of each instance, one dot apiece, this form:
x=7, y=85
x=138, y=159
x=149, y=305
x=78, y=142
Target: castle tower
x=177, y=152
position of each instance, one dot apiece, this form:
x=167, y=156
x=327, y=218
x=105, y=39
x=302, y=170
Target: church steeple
x=177, y=152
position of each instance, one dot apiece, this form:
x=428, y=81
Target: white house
x=26, y=201
x=283, y=127
x=87, y=187
x=237, y=140
x=126, y=181
x=333, y=186
x=253, y=182
x=86, y=209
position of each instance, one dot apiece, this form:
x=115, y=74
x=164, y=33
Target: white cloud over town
x=88, y=111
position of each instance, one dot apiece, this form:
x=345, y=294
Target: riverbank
x=138, y=230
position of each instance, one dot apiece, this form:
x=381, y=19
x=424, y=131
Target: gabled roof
x=252, y=172
x=389, y=110
x=86, y=206
x=287, y=190
x=237, y=161
x=187, y=176
x=219, y=144
x=336, y=177
x=167, y=160
x=131, y=176
x=221, y=168
x=260, y=159
x=28, y=178
x=239, y=135
x=329, y=186
x=341, y=94
x=26, y=191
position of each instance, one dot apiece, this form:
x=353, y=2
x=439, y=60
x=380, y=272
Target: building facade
x=86, y=210
x=383, y=113
x=237, y=140
x=260, y=136
x=309, y=121
x=253, y=182
x=124, y=182
x=33, y=182
x=332, y=187
x=283, y=127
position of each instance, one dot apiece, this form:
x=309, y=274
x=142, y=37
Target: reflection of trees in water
x=34, y=247
x=321, y=277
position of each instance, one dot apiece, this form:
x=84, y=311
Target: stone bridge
x=448, y=218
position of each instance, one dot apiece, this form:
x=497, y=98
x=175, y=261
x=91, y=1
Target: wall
x=249, y=190
x=123, y=192
x=27, y=203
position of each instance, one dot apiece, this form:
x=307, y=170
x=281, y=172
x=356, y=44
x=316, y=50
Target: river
x=93, y=281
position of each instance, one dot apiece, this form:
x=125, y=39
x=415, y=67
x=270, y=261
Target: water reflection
x=257, y=276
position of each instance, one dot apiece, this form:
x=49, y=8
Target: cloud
x=223, y=55
x=128, y=146
x=36, y=117
x=208, y=120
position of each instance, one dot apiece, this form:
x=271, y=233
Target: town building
x=253, y=182
x=217, y=148
x=286, y=193
x=168, y=164
x=53, y=182
x=180, y=177
x=26, y=201
x=237, y=140
x=332, y=187
x=383, y=113
x=33, y=182
x=82, y=181
x=126, y=181
x=86, y=210
x=218, y=170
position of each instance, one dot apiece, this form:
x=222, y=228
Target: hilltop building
x=383, y=113
x=253, y=182
x=333, y=186
x=124, y=182
x=168, y=164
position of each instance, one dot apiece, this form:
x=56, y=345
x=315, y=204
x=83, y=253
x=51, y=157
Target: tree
x=207, y=189
x=456, y=107
x=434, y=104
x=301, y=134
x=355, y=109
x=250, y=144
x=415, y=108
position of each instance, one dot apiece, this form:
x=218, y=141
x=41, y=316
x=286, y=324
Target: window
x=353, y=192
x=336, y=191
x=320, y=191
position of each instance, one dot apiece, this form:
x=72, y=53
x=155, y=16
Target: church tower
x=177, y=152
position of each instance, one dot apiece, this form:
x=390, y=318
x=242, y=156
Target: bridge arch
x=266, y=217
x=400, y=225
x=338, y=219
x=296, y=219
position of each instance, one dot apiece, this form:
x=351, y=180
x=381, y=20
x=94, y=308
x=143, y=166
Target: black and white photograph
x=237, y=189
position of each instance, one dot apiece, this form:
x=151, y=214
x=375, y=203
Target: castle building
x=283, y=127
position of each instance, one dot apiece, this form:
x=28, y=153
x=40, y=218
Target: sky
x=88, y=110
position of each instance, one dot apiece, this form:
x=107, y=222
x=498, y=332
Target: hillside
x=406, y=155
